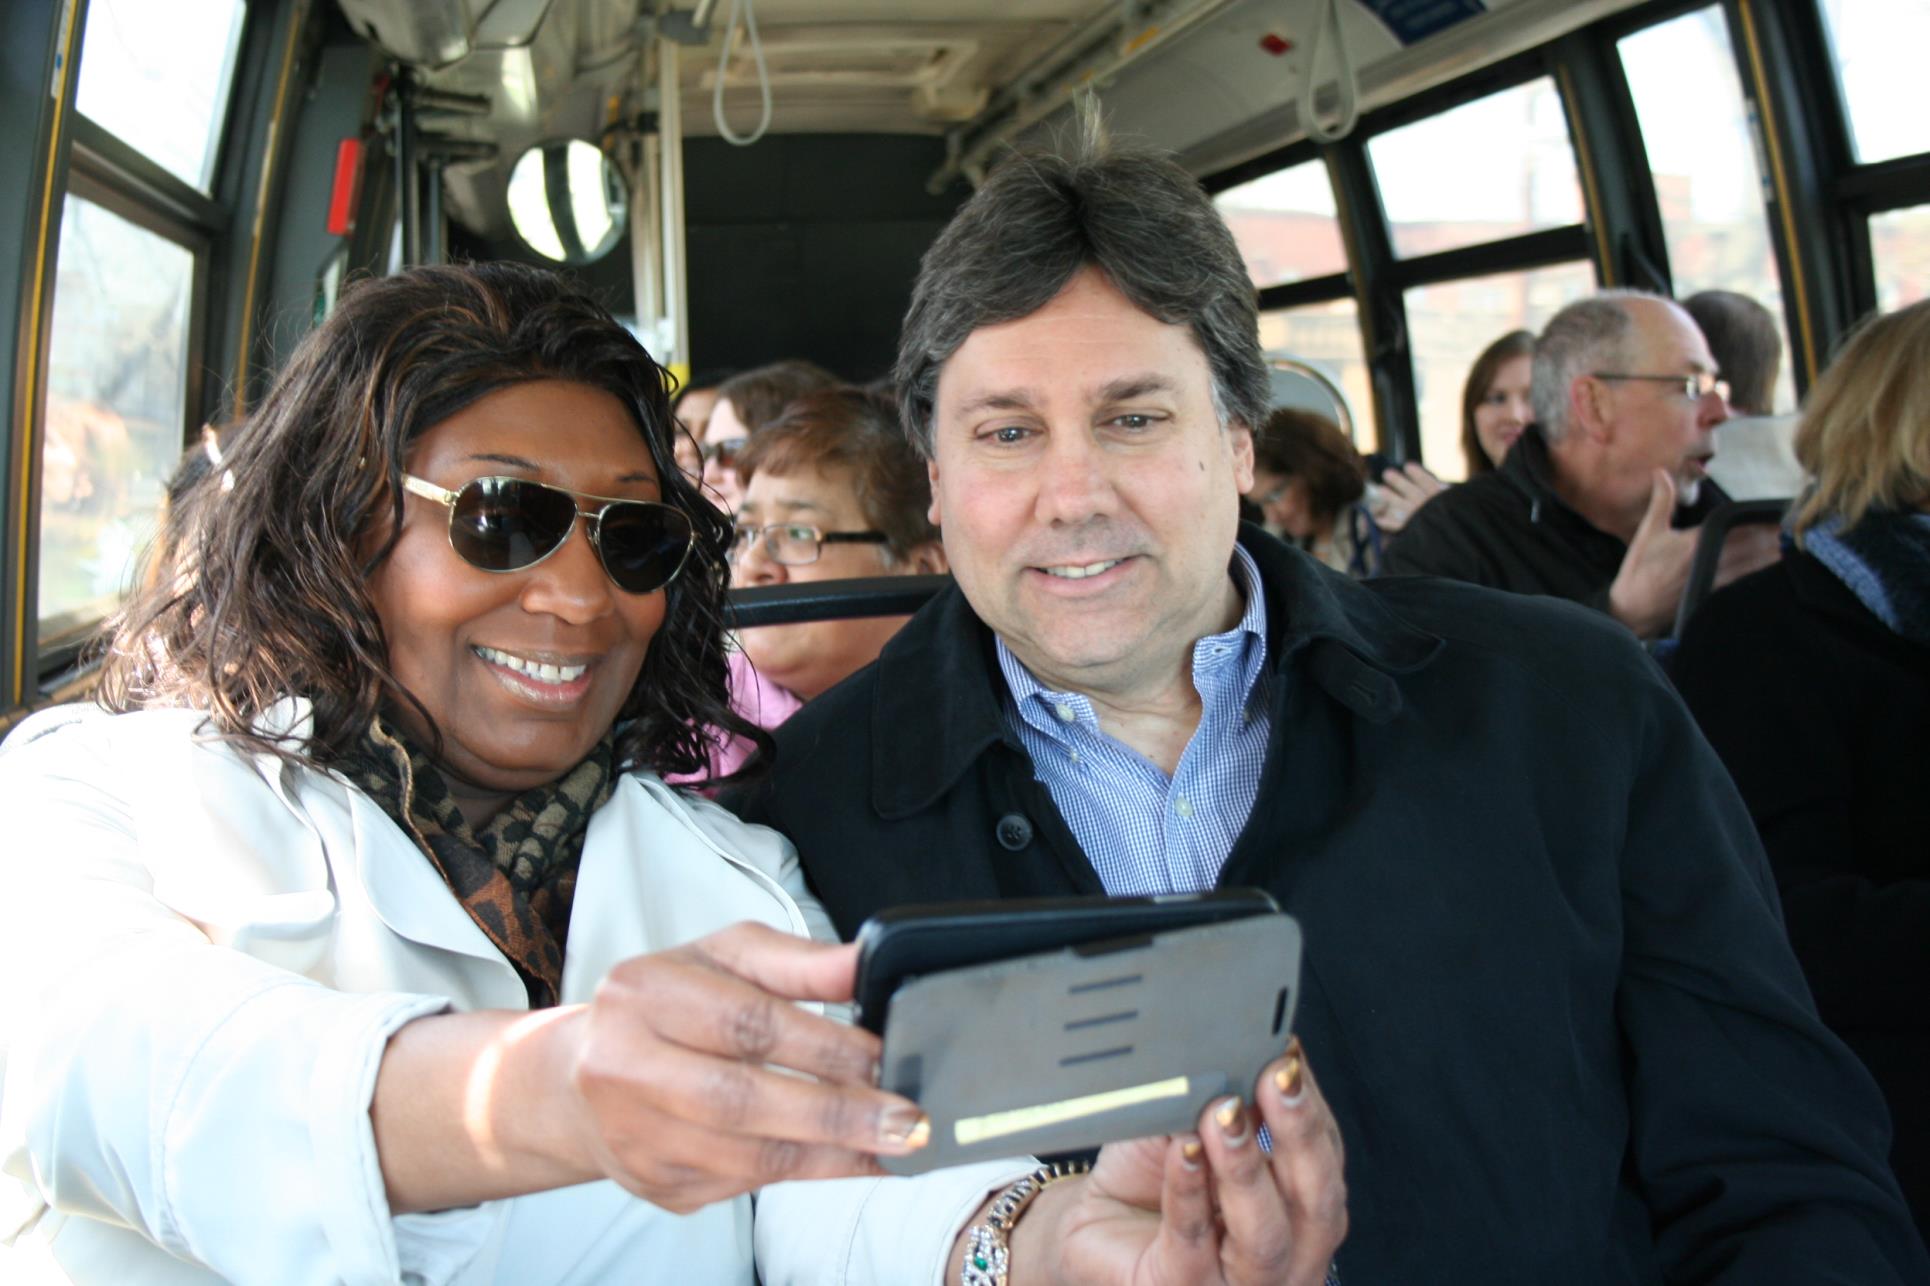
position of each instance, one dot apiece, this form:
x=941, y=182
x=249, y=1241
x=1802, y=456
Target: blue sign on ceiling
x=1414, y=20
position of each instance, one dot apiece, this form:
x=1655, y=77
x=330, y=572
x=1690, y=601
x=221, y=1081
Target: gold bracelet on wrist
x=988, y=1253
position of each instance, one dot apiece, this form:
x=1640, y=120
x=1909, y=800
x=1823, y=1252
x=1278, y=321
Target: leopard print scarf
x=516, y=876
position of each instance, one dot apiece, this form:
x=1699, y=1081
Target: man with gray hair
x=1598, y=500
x=1556, y=1019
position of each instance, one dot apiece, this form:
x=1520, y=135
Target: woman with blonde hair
x=1812, y=679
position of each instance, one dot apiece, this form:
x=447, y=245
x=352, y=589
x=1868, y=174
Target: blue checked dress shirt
x=1145, y=832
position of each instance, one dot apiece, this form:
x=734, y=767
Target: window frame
x=89, y=161
x=1377, y=278
x=1857, y=189
x=58, y=662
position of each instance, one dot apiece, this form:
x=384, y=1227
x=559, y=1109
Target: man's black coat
x=1546, y=988
x=1509, y=529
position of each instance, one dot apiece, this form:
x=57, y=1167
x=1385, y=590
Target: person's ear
x=1242, y=443
x=933, y=514
x=1588, y=407
x=927, y=559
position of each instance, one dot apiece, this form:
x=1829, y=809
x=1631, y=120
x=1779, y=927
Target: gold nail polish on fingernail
x=1190, y=1151
x=1232, y=1121
x=905, y=1127
x=1287, y=1079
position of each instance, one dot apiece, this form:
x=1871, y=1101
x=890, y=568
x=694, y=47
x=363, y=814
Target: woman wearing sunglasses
x=357, y=938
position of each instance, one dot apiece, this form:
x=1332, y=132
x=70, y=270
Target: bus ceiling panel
x=1261, y=115
x=877, y=66
x=834, y=66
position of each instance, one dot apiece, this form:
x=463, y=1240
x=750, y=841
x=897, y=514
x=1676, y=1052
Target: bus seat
x=830, y=600
x=1714, y=531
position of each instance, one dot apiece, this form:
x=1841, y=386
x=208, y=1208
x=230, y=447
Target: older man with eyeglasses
x=1599, y=500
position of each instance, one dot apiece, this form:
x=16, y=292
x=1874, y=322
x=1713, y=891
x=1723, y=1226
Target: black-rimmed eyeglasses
x=1694, y=387
x=796, y=544
x=509, y=524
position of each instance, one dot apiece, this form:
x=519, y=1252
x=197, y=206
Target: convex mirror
x=567, y=201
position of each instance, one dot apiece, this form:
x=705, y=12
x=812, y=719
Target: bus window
x=1448, y=325
x=1327, y=336
x=1702, y=152
x=118, y=355
x=1287, y=226
x=1900, y=245
x=1879, y=48
x=157, y=77
x=1493, y=168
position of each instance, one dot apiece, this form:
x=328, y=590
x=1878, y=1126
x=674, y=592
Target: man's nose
x=1072, y=479
x=1711, y=410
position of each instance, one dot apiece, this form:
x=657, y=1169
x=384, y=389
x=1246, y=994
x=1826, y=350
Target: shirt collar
x=923, y=743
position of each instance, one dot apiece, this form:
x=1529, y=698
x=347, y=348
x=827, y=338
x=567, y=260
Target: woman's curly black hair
x=267, y=597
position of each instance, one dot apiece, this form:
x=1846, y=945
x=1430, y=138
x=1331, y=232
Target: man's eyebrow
x=1014, y=399
x=1128, y=387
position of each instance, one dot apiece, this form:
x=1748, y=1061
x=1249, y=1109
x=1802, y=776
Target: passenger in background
x=832, y=491
x=1494, y=411
x=1597, y=501
x=1812, y=681
x=1755, y=448
x=692, y=406
x=1495, y=402
x=1309, y=482
x=746, y=403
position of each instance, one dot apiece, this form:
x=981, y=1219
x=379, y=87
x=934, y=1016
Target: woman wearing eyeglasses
x=356, y=938
x=833, y=491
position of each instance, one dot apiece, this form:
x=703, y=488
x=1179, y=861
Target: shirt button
x=1065, y=712
x=1183, y=807
x=1075, y=756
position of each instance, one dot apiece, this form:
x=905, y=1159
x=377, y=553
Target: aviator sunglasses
x=511, y=524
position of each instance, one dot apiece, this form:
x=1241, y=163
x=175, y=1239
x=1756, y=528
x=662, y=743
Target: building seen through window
x=1702, y=154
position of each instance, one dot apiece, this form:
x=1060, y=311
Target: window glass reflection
x=1450, y=323
x=116, y=389
x=1327, y=338
x=1702, y=153
x=1493, y=168
x=1878, y=47
x=1286, y=225
x=157, y=76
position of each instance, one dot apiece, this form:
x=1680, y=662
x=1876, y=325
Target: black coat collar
x=937, y=704
x=1530, y=468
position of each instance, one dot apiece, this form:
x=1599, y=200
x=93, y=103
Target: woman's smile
x=545, y=678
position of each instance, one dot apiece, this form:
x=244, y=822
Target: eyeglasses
x=725, y=452
x=511, y=524
x=796, y=544
x=1274, y=496
x=1694, y=387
